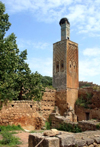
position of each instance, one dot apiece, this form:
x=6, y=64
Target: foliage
x=10, y=128
x=15, y=76
x=96, y=88
x=47, y=125
x=9, y=139
x=33, y=88
x=98, y=126
x=46, y=81
x=84, y=101
x=69, y=128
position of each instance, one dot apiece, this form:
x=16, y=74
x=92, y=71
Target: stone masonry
x=29, y=114
x=65, y=69
x=66, y=139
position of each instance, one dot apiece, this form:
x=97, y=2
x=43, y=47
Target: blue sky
x=36, y=26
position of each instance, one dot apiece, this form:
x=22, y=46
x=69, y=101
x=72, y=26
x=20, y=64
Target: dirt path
x=24, y=138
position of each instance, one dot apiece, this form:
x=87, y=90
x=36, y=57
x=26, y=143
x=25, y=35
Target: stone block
x=80, y=142
x=66, y=140
x=97, y=140
x=36, y=138
x=89, y=141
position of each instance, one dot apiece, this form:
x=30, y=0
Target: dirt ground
x=24, y=138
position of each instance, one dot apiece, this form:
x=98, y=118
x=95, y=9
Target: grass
x=10, y=128
x=7, y=133
x=37, y=131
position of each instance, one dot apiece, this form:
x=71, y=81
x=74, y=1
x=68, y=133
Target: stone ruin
x=59, y=104
x=65, y=81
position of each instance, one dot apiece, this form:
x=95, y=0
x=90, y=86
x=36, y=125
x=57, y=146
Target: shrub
x=98, y=126
x=9, y=139
x=69, y=128
x=47, y=125
x=84, y=102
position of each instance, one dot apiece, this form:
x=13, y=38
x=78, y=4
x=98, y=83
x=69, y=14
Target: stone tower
x=65, y=68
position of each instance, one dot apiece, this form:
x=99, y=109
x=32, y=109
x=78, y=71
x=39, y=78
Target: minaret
x=65, y=68
x=65, y=28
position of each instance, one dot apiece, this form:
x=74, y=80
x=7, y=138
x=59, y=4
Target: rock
x=95, y=144
x=66, y=140
x=36, y=138
x=52, y=132
x=91, y=145
x=97, y=140
x=80, y=142
x=89, y=141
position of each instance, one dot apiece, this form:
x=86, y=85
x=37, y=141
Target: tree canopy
x=15, y=74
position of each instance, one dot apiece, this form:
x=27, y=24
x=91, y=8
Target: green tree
x=46, y=81
x=15, y=75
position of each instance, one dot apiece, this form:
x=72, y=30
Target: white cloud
x=84, y=15
x=91, y=52
x=26, y=44
x=89, y=66
x=43, y=66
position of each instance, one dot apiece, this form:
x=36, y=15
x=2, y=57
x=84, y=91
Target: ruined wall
x=21, y=112
x=48, y=103
x=93, y=110
x=82, y=113
x=28, y=114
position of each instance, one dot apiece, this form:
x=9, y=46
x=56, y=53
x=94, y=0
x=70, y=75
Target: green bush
x=9, y=139
x=69, y=128
x=47, y=125
x=98, y=126
x=84, y=101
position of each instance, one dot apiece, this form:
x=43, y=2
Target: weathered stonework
x=29, y=114
x=66, y=139
x=65, y=69
x=66, y=80
x=93, y=110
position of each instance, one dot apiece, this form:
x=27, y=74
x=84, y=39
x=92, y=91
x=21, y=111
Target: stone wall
x=28, y=114
x=93, y=110
x=48, y=103
x=83, y=112
x=57, y=120
x=25, y=113
x=66, y=139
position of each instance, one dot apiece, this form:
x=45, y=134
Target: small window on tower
x=74, y=65
x=70, y=65
x=62, y=66
x=57, y=66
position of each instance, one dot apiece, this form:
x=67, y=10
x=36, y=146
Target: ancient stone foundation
x=65, y=139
